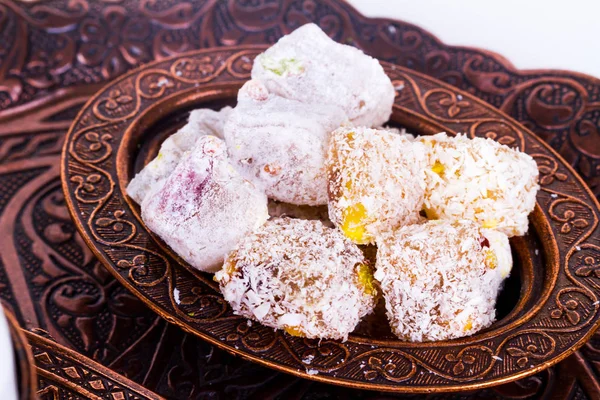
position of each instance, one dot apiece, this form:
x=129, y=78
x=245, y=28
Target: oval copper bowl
x=547, y=309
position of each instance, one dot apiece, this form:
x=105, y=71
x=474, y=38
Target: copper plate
x=551, y=302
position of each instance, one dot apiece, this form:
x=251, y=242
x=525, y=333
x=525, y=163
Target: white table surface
x=532, y=34
x=8, y=388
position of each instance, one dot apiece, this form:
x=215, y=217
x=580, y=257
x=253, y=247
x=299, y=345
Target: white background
x=532, y=34
x=8, y=388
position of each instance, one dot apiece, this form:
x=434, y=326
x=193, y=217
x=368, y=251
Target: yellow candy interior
x=491, y=194
x=491, y=260
x=155, y=165
x=352, y=224
x=230, y=266
x=294, y=331
x=438, y=168
x=365, y=278
x=430, y=142
x=468, y=325
x=490, y=223
x=430, y=214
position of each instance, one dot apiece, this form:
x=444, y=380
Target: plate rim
x=280, y=366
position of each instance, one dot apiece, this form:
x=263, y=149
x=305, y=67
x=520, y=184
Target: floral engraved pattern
x=116, y=98
x=137, y=262
x=97, y=141
x=118, y=103
x=526, y=349
x=376, y=366
x=569, y=219
x=393, y=366
x=241, y=330
x=454, y=105
x=87, y=183
x=114, y=229
x=160, y=83
x=200, y=303
x=200, y=309
x=504, y=132
x=548, y=168
x=193, y=297
x=460, y=363
x=522, y=355
x=569, y=311
x=115, y=41
x=591, y=266
x=505, y=140
x=573, y=307
x=251, y=335
x=587, y=261
x=116, y=224
x=199, y=68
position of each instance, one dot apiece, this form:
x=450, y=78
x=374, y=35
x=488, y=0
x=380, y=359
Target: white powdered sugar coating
x=376, y=181
x=200, y=123
x=308, y=66
x=205, y=207
x=209, y=121
x=440, y=279
x=481, y=180
x=281, y=144
x=299, y=276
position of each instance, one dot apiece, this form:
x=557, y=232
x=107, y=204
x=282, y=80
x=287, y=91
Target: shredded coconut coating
x=281, y=144
x=308, y=66
x=200, y=123
x=481, y=180
x=278, y=209
x=398, y=131
x=440, y=279
x=376, y=182
x=299, y=276
x=205, y=207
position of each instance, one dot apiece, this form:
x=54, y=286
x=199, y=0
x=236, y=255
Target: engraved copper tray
x=547, y=310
